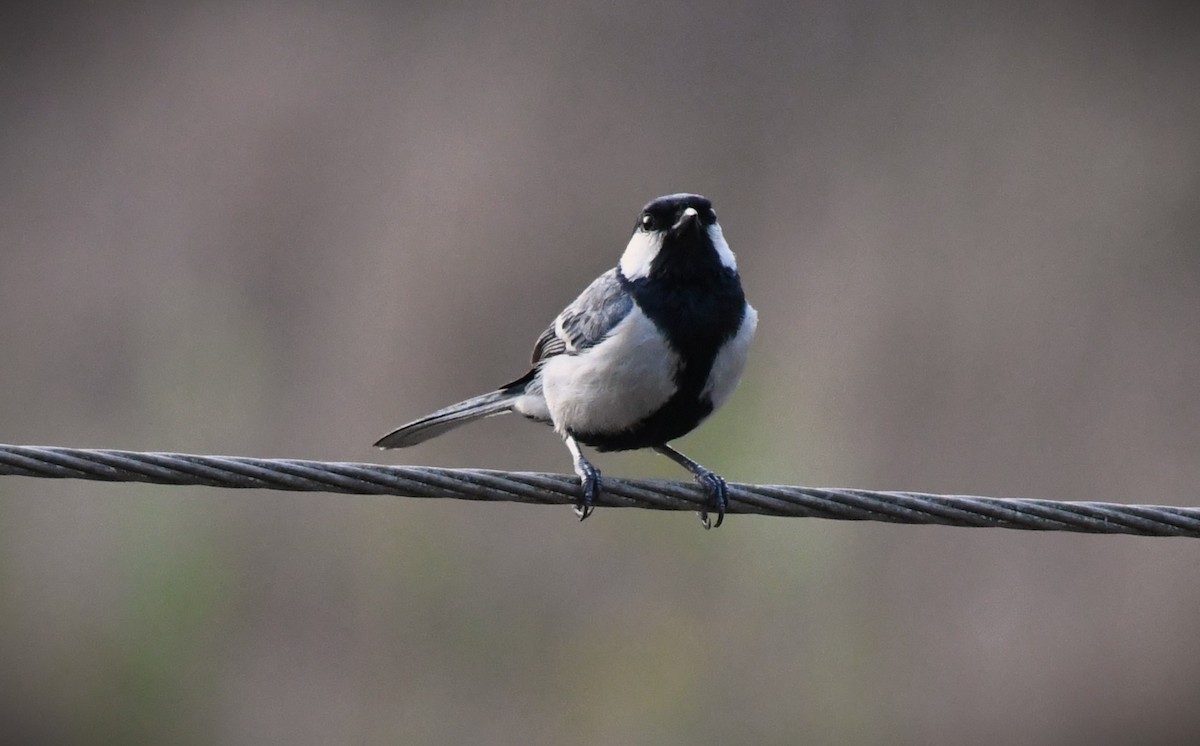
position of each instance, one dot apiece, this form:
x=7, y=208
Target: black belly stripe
x=678, y=417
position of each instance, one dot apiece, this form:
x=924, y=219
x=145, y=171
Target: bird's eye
x=648, y=222
x=710, y=217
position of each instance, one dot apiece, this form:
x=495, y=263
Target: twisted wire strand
x=558, y=489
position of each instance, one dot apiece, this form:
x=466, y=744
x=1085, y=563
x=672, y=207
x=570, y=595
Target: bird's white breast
x=731, y=360
x=613, y=385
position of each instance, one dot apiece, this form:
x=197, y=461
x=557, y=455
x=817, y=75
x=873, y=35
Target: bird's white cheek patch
x=731, y=360
x=613, y=385
x=639, y=253
x=724, y=253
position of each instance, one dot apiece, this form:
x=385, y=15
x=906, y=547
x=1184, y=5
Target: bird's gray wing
x=588, y=319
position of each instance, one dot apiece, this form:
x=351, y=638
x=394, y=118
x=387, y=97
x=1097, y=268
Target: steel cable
x=528, y=487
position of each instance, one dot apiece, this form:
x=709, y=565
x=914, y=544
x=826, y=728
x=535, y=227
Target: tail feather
x=448, y=418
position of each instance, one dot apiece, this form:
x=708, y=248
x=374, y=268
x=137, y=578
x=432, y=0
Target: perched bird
x=640, y=358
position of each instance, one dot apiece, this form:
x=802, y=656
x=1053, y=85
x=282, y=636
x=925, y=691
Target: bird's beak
x=688, y=220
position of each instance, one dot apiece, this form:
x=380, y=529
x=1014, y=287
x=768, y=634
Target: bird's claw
x=589, y=488
x=718, y=497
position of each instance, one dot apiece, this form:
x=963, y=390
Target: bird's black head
x=677, y=233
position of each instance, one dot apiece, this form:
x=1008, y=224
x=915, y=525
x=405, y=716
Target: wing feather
x=588, y=319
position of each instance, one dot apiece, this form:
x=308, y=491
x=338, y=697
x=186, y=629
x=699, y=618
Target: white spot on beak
x=688, y=214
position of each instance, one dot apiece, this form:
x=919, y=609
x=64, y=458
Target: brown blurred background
x=973, y=236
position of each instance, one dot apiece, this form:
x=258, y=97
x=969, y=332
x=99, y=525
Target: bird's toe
x=718, y=498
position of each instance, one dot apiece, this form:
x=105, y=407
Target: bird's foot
x=718, y=497
x=589, y=479
x=714, y=485
x=589, y=488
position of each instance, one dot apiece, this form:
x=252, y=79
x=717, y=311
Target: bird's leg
x=589, y=479
x=715, y=486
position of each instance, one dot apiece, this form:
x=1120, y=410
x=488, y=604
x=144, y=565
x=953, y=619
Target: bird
x=645, y=353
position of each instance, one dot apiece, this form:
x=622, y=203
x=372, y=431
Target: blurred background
x=281, y=229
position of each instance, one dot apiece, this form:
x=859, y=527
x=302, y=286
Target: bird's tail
x=448, y=418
